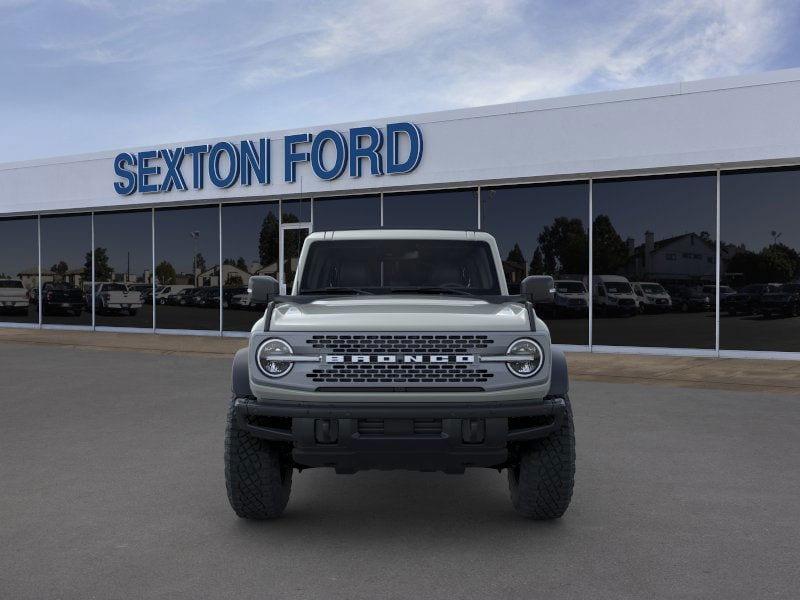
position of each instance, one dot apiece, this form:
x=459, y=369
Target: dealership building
x=680, y=202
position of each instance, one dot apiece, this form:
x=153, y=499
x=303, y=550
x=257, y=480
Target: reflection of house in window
x=677, y=259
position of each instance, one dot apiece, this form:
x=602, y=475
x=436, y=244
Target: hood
x=399, y=313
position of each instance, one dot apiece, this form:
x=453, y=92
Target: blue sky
x=86, y=75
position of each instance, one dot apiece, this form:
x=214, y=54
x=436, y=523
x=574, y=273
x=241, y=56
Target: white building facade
x=601, y=184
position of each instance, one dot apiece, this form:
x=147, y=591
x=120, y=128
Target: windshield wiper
x=336, y=290
x=429, y=289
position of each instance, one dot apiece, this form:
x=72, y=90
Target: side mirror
x=262, y=289
x=538, y=288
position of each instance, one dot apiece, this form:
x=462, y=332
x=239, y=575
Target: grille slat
x=425, y=345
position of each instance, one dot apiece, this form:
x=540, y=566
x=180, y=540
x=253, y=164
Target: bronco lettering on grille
x=399, y=358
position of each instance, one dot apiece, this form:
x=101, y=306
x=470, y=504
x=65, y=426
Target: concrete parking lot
x=112, y=487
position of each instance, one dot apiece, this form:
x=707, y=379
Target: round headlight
x=273, y=367
x=534, y=361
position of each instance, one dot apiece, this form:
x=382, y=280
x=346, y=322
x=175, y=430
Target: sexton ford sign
x=225, y=164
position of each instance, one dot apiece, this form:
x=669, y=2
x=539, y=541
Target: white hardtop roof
x=402, y=234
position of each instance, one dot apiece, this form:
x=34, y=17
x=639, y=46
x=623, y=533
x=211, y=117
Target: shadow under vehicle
x=747, y=300
x=783, y=302
x=690, y=299
x=14, y=297
x=614, y=296
x=652, y=297
x=400, y=349
x=571, y=298
x=62, y=298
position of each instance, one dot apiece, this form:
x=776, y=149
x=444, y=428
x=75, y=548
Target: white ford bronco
x=400, y=349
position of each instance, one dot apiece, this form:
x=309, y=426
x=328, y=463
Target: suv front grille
x=399, y=344
x=400, y=373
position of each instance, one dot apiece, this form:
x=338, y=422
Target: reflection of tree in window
x=610, y=250
x=774, y=263
x=102, y=270
x=60, y=268
x=165, y=273
x=268, y=241
x=563, y=246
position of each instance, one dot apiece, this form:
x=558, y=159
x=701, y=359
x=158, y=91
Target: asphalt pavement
x=111, y=486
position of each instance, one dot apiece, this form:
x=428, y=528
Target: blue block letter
x=318, y=147
x=393, y=131
x=122, y=159
x=145, y=171
x=290, y=157
x=197, y=153
x=370, y=151
x=213, y=164
x=173, y=176
x=253, y=160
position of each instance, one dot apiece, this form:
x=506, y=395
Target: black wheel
x=257, y=477
x=541, y=482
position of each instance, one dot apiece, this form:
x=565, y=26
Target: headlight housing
x=270, y=366
x=525, y=347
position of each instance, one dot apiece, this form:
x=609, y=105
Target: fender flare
x=559, y=378
x=240, y=375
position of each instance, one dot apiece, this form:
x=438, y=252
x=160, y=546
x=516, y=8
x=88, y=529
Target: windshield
x=10, y=283
x=392, y=266
x=618, y=288
x=570, y=287
x=653, y=288
x=113, y=287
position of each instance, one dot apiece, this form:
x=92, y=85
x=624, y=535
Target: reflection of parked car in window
x=163, y=295
x=725, y=291
x=14, y=298
x=206, y=297
x=784, y=301
x=181, y=297
x=240, y=301
x=747, y=299
x=571, y=297
x=62, y=297
x=145, y=290
x=651, y=297
x=228, y=294
x=690, y=299
x=114, y=298
x=614, y=295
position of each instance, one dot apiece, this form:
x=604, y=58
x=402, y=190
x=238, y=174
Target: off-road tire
x=541, y=482
x=258, y=480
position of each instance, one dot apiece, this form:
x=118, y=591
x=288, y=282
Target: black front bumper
x=426, y=437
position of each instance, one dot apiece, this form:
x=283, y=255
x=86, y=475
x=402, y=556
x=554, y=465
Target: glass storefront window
x=187, y=268
x=654, y=261
x=296, y=211
x=66, y=269
x=760, y=260
x=19, y=270
x=543, y=230
x=447, y=209
x=123, y=267
x=348, y=212
x=249, y=247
